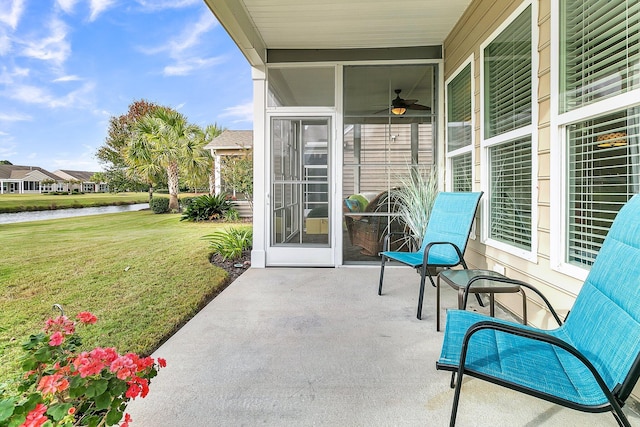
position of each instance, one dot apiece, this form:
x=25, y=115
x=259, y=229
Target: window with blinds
x=510, y=197
x=600, y=50
x=461, y=172
x=507, y=78
x=604, y=172
x=459, y=110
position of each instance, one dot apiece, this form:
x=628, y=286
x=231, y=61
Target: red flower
x=71, y=411
x=124, y=367
x=87, y=318
x=87, y=365
x=127, y=420
x=60, y=324
x=137, y=387
x=56, y=339
x=162, y=362
x=50, y=384
x=36, y=417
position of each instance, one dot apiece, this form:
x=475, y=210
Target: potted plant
x=62, y=385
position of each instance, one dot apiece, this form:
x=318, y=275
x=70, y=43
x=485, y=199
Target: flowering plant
x=63, y=386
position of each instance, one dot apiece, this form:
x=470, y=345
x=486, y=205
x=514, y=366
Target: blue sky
x=66, y=66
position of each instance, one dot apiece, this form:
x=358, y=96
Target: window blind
x=459, y=110
x=600, y=50
x=507, y=78
x=604, y=172
x=510, y=198
x=461, y=172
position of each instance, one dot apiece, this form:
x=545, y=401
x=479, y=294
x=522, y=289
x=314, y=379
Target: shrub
x=230, y=243
x=231, y=215
x=206, y=208
x=159, y=205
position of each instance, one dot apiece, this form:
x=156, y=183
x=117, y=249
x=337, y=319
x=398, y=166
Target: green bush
x=230, y=243
x=159, y=205
x=231, y=215
x=206, y=208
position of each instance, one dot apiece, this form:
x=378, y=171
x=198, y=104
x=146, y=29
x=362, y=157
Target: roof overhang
x=259, y=27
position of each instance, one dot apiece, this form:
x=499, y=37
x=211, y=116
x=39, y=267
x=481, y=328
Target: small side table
x=459, y=279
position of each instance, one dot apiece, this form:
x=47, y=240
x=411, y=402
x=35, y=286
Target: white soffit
x=336, y=24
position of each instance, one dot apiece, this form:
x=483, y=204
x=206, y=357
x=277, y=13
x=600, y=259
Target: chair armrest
x=432, y=244
x=387, y=238
x=515, y=282
x=534, y=335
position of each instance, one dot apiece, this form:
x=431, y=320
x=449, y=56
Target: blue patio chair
x=590, y=363
x=444, y=242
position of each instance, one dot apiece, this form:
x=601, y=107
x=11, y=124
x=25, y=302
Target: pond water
x=8, y=218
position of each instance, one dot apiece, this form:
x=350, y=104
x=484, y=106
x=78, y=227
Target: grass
x=142, y=274
x=39, y=202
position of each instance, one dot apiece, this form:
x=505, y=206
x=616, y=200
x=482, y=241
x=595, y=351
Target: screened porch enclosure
x=381, y=149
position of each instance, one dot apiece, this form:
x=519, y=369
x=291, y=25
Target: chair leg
x=456, y=398
x=421, y=295
x=620, y=417
x=381, y=275
x=452, y=384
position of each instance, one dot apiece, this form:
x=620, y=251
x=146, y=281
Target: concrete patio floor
x=319, y=347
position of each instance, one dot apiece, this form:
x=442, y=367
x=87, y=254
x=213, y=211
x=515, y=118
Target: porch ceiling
x=259, y=25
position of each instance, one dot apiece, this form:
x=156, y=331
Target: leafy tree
x=163, y=140
x=118, y=174
x=5, y=162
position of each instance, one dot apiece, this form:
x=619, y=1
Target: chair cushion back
x=604, y=323
x=450, y=221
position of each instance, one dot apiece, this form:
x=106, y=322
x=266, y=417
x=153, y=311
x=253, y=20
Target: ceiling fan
x=400, y=106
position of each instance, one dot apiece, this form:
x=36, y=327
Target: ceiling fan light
x=398, y=110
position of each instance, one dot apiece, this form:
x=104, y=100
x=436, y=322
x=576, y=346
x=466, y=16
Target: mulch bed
x=234, y=268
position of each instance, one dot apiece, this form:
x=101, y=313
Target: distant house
x=228, y=143
x=83, y=180
x=28, y=179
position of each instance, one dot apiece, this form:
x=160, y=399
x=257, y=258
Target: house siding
x=478, y=23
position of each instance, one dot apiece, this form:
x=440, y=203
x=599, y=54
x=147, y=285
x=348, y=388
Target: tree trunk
x=172, y=183
x=150, y=193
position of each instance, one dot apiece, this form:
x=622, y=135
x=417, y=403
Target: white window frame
x=466, y=149
x=558, y=153
x=529, y=130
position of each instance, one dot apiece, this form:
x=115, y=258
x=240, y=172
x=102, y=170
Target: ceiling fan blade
x=409, y=101
x=418, y=107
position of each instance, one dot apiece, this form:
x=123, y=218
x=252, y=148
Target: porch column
x=216, y=173
x=261, y=193
x=357, y=147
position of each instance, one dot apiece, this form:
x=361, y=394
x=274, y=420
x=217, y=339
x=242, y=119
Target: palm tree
x=164, y=140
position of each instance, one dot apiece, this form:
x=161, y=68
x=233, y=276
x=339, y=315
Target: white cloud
x=67, y=5
x=182, y=48
x=69, y=78
x=192, y=33
x=10, y=12
x=184, y=67
x=13, y=117
x=155, y=5
x=5, y=43
x=97, y=7
x=54, y=47
x=39, y=96
x=241, y=113
x=8, y=77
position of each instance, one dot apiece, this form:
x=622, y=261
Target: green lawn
x=35, y=202
x=142, y=274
